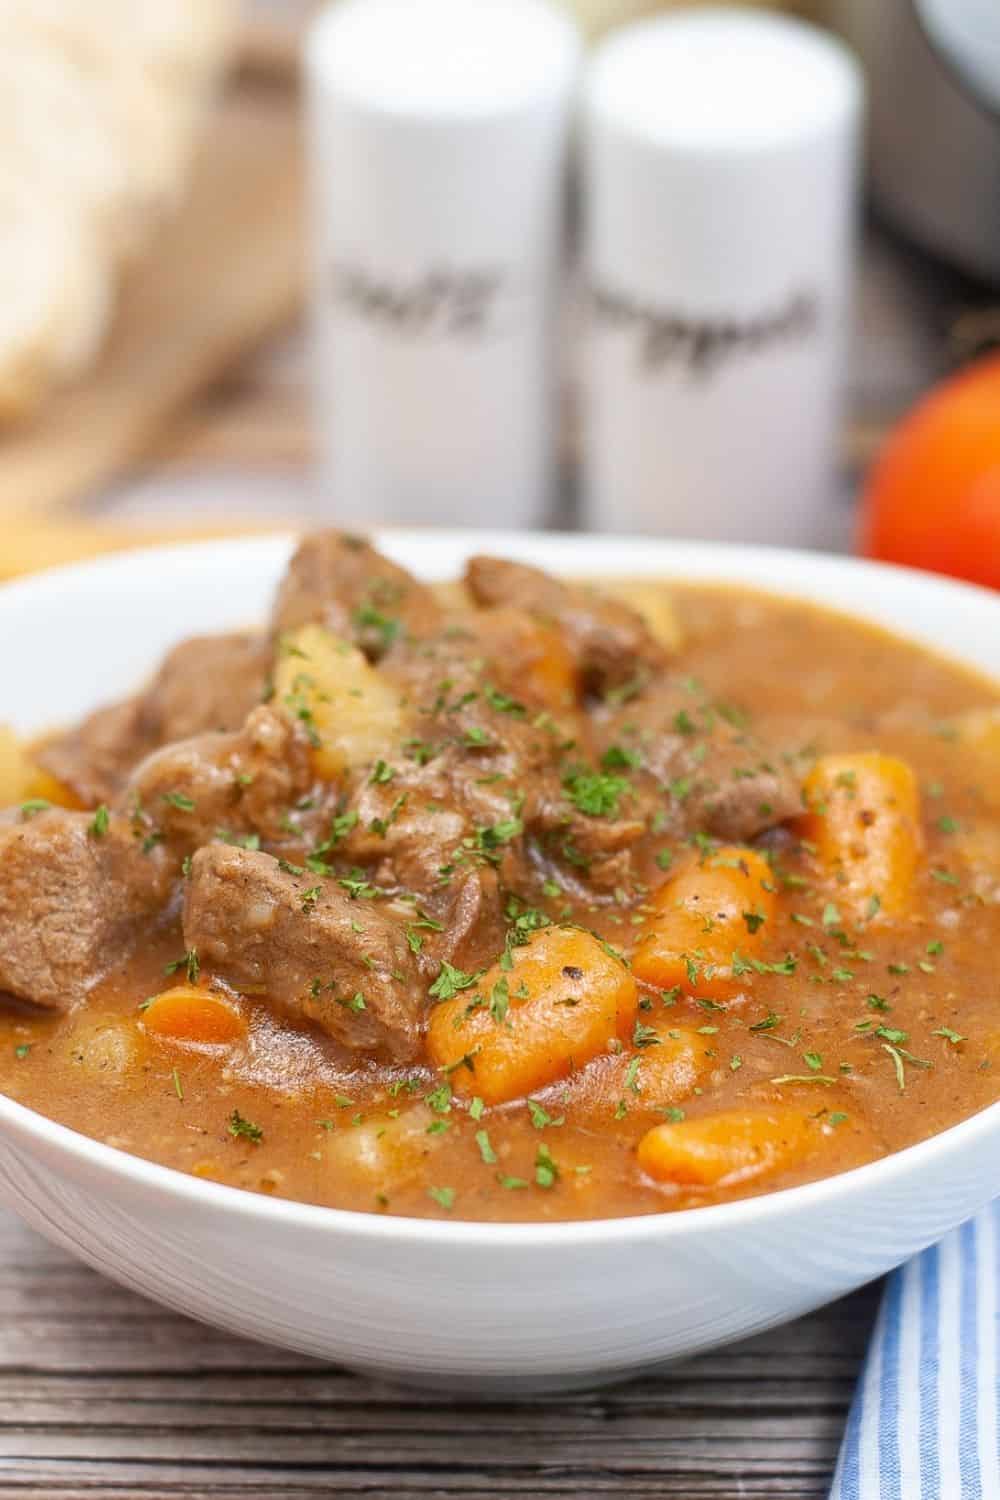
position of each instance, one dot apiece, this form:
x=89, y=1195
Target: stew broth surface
x=882, y=1032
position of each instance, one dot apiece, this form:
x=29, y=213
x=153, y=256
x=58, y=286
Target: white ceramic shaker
x=720, y=176
x=438, y=135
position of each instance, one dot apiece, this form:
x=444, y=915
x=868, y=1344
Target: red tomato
x=932, y=499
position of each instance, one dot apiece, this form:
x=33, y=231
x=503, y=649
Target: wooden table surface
x=104, y=1394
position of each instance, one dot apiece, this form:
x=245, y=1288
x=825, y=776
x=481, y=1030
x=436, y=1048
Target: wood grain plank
x=104, y=1394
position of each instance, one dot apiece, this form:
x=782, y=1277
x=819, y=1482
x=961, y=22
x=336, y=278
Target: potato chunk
x=561, y=1001
x=652, y=599
x=348, y=708
x=107, y=1047
x=381, y=1154
x=719, y=1150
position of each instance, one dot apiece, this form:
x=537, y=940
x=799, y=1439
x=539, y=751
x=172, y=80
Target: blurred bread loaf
x=100, y=103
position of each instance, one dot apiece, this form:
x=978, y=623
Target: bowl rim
x=556, y=1235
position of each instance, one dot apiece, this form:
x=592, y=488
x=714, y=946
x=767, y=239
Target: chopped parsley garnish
x=486, y=1151
x=249, y=841
x=21, y=1050
x=803, y=1078
x=444, y=1197
x=340, y=827
x=310, y=897
x=357, y=887
x=189, y=962
x=499, y=1001
x=180, y=800
x=489, y=839
x=900, y=1056
x=439, y=1099
x=617, y=758
x=503, y=703
x=368, y=618
x=546, y=1170
x=99, y=823
x=450, y=980
x=595, y=793
x=540, y=1117
x=381, y=826
x=645, y=1036
x=245, y=1129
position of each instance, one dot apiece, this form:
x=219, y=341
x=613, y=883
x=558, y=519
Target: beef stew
x=522, y=899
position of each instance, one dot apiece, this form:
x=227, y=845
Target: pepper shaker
x=438, y=132
x=719, y=191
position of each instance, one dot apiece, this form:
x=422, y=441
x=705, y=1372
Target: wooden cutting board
x=224, y=272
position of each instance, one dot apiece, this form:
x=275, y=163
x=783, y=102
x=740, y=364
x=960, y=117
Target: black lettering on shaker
x=439, y=302
x=701, y=345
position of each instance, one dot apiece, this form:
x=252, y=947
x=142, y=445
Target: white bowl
x=493, y=1308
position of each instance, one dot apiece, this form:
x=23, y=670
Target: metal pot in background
x=934, y=120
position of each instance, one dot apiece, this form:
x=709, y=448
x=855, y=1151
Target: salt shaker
x=720, y=173
x=438, y=132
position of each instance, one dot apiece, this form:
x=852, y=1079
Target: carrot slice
x=556, y=1003
x=188, y=1014
x=734, y=1146
x=709, y=919
x=864, y=823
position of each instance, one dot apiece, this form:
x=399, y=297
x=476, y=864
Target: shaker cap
x=722, y=79
x=445, y=59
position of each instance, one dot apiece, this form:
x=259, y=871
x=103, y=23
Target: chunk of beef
x=611, y=643
x=306, y=947
x=590, y=854
x=716, y=776
x=258, y=782
x=470, y=920
x=742, y=791
x=93, y=760
x=342, y=582
x=73, y=896
x=206, y=683
x=447, y=795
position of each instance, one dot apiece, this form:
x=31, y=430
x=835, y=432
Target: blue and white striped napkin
x=924, y=1421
